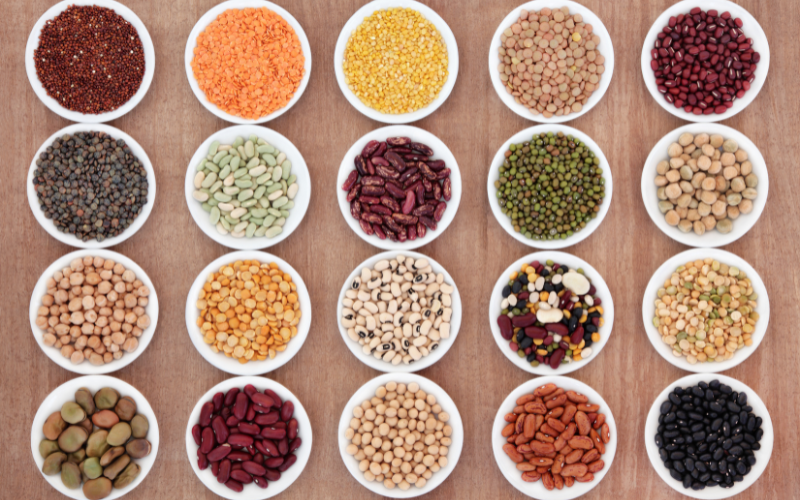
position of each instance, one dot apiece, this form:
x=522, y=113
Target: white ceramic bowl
x=299, y=168
x=210, y=16
x=751, y=30
x=494, y=175
x=444, y=344
x=251, y=491
x=440, y=152
x=66, y=392
x=452, y=59
x=71, y=239
x=605, y=48
x=366, y=392
x=230, y=365
x=664, y=272
x=54, y=105
x=602, y=292
x=508, y=467
x=86, y=368
x=762, y=455
x=711, y=238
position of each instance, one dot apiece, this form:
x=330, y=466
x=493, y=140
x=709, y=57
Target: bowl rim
x=252, y=492
x=452, y=60
x=597, y=27
x=759, y=408
x=49, y=405
x=86, y=368
x=425, y=362
x=665, y=270
x=602, y=291
x=71, y=239
x=711, y=238
x=211, y=15
x=442, y=397
x=441, y=152
x=229, y=365
x=507, y=467
x=147, y=48
x=754, y=31
x=494, y=175
x=299, y=168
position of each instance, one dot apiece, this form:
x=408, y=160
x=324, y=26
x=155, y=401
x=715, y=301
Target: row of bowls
x=256, y=368
x=54, y=401
x=754, y=31
x=226, y=136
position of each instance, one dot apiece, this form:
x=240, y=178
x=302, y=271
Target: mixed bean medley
x=399, y=310
x=550, y=314
x=550, y=187
x=94, y=441
x=706, y=311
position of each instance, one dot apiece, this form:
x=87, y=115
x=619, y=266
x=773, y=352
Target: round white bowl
x=54, y=105
x=444, y=344
x=602, y=292
x=508, y=467
x=605, y=48
x=711, y=238
x=440, y=152
x=230, y=365
x=212, y=15
x=251, y=491
x=762, y=455
x=299, y=168
x=664, y=272
x=452, y=59
x=366, y=392
x=751, y=30
x=86, y=368
x=66, y=392
x=71, y=239
x=494, y=175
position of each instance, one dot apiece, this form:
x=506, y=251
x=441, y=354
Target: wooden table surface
x=626, y=249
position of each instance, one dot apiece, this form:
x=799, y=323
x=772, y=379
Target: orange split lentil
x=248, y=62
x=395, y=61
x=248, y=310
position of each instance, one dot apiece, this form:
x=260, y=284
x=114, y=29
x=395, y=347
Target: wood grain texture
x=170, y=123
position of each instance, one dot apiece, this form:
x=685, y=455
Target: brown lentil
x=90, y=59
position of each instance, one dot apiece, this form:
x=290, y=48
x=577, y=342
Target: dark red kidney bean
x=196, y=433
x=271, y=433
x=379, y=232
x=231, y=421
x=241, y=405
x=274, y=474
x=370, y=167
x=259, y=445
x=373, y=190
x=377, y=160
x=250, y=389
x=435, y=164
x=394, y=190
x=292, y=428
x=404, y=219
x=234, y=485
x=412, y=181
x=408, y=203
x=387, y=172
x=220, y=429
x=238, y=456
x=226, y=412
x=440, y=208
x=217, y=400
x=447, y=189
x=268, y=418
x=422, y=148
x=237, y=465
x=261, y=482
x=279, y=425
x=372, y=180
x=202, y=461
x=240, y=440
x=242, y=476
x=506, y=330
x=421, y=230
x=408, y=173
x=287, y=410
x=289, y=460
x=412, y=233
x=413, y=158
x=205, y=414
x=524, y=320
x=234, y=430
x=219, y=453
x=254, y=468
x=259, y=409
x=380, y=209
x=534, y=332
x=370, y=149
x=420, y=192
x=251, y=413
x=361, y=166
x=400, y=150
x=354, y=192
x=248, y=428
x=366, y=227
x=443, y=174
x=259, y=458
x=224, y=472
x=556, y=357
x=295, y=444
x=230, y=396
x=428, y=222
x=251, y=450
x=273, y=463
x=381, y=149
x=395, y=160
x=207, y=440
x=398, y=141
x=270, y=448
x=283, y=446
x=350, y=181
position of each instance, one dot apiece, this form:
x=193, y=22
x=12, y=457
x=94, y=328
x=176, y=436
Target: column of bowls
x=93, y=378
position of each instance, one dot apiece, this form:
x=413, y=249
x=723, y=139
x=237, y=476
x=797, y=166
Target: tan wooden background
x=170, y=123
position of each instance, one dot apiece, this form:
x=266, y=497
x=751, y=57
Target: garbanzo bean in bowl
x=246, y=308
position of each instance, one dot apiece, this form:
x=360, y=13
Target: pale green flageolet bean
x=222, y=197
x=269, y=159
x=266, y=148
x=279, y=202
x=238, y=142
x=249, y=203
x=224, y=162
x=277, y=172
x=274, y=196
x=260, y=190
x=280, y=221
x=210, y=166
x=291, y=180
x=234, y=164
x=259, y=212
x=251, y=230
x=225, y=172
x=260, y=232
x=213, y=189
x=225, y=224
x=206, y=207
x=256, y=220
x=263, y=179
x=215, y=213
x=273, y=188
x=231, y=190
x=272, y=211
x=269, y=220
x=244, y=183
x=245, y=195
x=249, y=149
x=285, y=213
x=219, y=156
x=240, y=173
x=273, y=232
x=212, y=149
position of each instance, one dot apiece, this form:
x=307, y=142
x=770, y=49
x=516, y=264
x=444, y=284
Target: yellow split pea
x=396, y=61
x=248, y=310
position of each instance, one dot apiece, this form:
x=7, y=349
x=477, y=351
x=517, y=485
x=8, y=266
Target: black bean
x=506, y=291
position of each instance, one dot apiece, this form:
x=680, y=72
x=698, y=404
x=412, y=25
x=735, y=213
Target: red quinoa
x=90, y=59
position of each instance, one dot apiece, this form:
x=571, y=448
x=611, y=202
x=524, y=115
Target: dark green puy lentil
x=550, y=187
x=90, y=185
